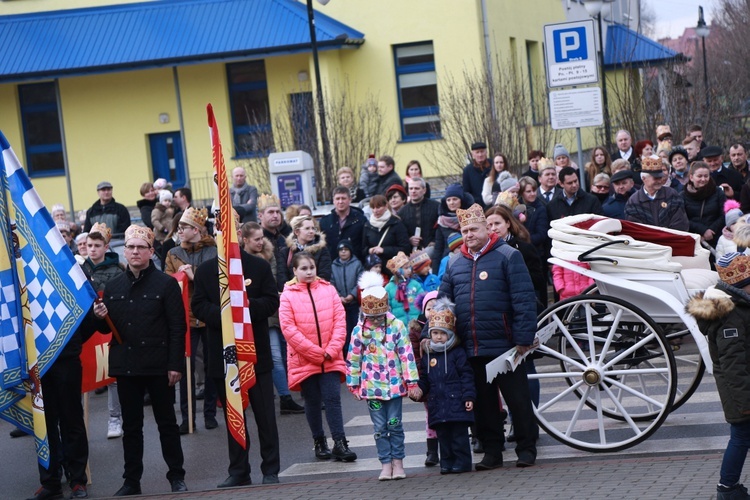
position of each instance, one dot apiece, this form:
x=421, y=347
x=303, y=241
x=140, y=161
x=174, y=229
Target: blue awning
x=160, y=33
x=627, y=48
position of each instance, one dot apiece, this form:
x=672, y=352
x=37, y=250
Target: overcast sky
x=673, y=16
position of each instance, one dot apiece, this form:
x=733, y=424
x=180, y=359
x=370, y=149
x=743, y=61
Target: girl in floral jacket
x=380, y=368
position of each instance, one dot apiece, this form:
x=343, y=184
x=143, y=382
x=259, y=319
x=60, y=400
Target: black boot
x=432, y=453
x=342, y=452
x=289, y=407
x=322, y=451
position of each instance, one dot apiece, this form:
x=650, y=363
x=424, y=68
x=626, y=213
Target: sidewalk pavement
x=642, y=477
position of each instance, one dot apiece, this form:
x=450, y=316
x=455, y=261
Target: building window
x=41, y=129
x=417, y=91
x=248, y=98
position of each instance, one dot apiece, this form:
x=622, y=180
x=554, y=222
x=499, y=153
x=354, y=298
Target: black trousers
x=131, y=391
x=261, y=402
x=515, y=388
x=209, y=390
x=455, y=448
x=66, y=431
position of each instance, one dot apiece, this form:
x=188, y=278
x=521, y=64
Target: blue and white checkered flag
x=44, y=296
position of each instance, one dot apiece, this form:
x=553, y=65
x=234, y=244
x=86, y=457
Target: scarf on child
x=401, y=294
x=444, y=348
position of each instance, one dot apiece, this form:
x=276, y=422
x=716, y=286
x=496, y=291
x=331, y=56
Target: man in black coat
x=476, y=171
x=727, y=178
x=264, y=302
x=107, y=210
x=387, y=175
x=344, y=222
x=624, y=148
x=572, y=200
x=421, y=212
x=147, y=352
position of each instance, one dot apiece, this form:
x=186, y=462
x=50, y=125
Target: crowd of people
x=408, y=297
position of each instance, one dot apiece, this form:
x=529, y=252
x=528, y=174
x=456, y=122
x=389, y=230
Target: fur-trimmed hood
x=710, y=305
x=318, y=244
x=267, y=253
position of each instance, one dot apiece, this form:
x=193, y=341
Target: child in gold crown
x=448, y=382
x=403, y=288
x=380, y=368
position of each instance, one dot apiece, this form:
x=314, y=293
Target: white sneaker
x=114, y=430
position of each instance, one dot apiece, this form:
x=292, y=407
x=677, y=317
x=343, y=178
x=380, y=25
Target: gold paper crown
x=419, y=259
x=194, y=217
x=444, y=320
x=663, y=130
x=472, y=215
x=737, y=273
x=651, y=164
x=507, y=199
x=102, y=229
x=267, y=200
x=398, y=262
x=374, y=296
x=546, y=163
x=140, y=232
x=374, y=306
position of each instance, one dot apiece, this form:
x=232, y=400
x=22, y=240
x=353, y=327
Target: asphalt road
x=696, y=427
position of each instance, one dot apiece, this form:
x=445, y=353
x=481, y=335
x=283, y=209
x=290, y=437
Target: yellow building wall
x=24, y=6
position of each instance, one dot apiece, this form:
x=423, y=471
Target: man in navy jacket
x=495, y=311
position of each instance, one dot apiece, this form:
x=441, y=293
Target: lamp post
x=319, y=93
x=702, y=30
x=594, y=9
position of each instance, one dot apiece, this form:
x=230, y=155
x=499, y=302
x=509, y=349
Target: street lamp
x=702, y=30
x=319, y=94
x=594, y=9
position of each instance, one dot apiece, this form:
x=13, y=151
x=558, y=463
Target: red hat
x=396, y=188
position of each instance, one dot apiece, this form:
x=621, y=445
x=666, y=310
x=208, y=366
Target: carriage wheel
x=688, y=361
x=609, y=359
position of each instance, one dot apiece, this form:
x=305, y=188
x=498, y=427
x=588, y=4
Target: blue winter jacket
x=447, y=386
x=494, y=297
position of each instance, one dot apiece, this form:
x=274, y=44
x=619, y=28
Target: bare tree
x=355, y=124
x=466, y=103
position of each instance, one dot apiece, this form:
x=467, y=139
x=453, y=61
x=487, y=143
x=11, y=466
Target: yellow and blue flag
x=44, y=296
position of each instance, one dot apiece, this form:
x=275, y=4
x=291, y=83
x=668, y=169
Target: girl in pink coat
x=313, y=321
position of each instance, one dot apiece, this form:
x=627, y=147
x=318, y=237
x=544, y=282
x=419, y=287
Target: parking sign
x=570, y=53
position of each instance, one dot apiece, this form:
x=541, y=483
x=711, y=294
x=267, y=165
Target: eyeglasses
x=182, y=228
x=601, y=187
x=137, y=248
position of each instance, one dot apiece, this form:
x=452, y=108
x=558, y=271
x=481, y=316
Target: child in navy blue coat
x=447, y=381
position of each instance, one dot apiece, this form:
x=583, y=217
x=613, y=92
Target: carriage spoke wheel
x=607, y=377
x=688, y=361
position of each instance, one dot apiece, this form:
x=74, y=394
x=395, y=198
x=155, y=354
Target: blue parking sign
x=570, y=44
x=570, y=53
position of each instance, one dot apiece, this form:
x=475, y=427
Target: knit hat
x=194, y=217
x=374, y=296
x=560, y=150
x=345, y=243
x=396, y=188
x=419, y=260
x=734, y=269
x=454, y=190
x=371, y=261
x=140, y=232
x=160, y=183
x=371, y=160
x=455, y=240
x=678, y=150
x=732, y=212
x=164, y=195
x=424, y=298
x=507, y=181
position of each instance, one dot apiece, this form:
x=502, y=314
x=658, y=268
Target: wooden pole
x=189, y=393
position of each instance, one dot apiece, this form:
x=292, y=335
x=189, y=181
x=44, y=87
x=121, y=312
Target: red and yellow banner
x=237, y=330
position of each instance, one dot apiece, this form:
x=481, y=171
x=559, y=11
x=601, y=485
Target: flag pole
x=189, y=393
x=86, y=426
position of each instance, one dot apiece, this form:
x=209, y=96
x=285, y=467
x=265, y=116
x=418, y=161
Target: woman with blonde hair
x=345, y=178
x=305, y=236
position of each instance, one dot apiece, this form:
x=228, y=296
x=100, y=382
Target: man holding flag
x=144, y=311
x=222, y=289
x=44, y=296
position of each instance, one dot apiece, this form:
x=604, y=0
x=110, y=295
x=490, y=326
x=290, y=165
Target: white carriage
x=624, y=354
